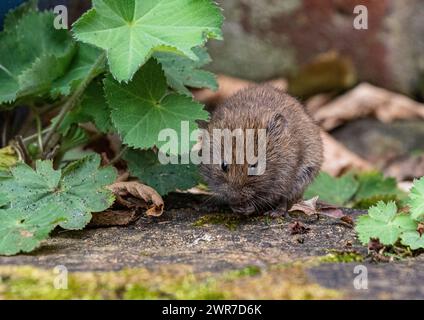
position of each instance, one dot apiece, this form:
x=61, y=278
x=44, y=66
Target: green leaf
x=79, y=189
x=337, y=191
x=383, y=223
x=131, y=31
x=23, y=232
x=82, y=63
x=3, y=200
x=13, y=17
x=413, y=239
x=142, y=108
x=74, y=137
x=374, y=184
x=182, y=72
x=93, y=108
x=144, y=165
x=32, y=55
x=416, y=200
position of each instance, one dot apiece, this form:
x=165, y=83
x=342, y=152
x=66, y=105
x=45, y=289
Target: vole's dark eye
x=224, y=166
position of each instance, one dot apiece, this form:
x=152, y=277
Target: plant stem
x=4, y=135
x=71, y=102
x=118, y=156
x=34, y=136
x=39, y=129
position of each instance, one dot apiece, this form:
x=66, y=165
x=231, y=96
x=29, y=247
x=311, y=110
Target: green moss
x=228, y=220
x=249, y=271
x=173, y=282
x=341, y=257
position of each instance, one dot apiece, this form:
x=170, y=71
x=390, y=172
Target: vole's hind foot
x=277, y=213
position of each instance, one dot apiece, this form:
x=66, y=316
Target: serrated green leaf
x=23, y=232
x=41, y=54
x=74, y=137
x=373, y=184
x=142, y=108
x=82, y=63
x=383, y=223
x=131, y=31
x=413, y=239
x=416, y=200
x=78, y=189
x=144, y=165
x=13, y=17
x=383, y=212
x=337, y=191
x=181, y=72
x=93, y=108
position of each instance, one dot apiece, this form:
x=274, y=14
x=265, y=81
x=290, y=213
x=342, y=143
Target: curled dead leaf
x=132, y=198
x=229, y=86
x=133, y=194
x=298, y=227
x=367, y=100
x=308, y=207
x=314, y=207
x=338, y=159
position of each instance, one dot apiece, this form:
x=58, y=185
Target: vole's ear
x=277, y=125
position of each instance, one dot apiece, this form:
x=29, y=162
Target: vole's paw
x=277, y=213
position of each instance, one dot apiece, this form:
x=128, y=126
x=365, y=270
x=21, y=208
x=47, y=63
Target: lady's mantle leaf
x=416, y=200
x=93, y=108
x=32, y=55
x=132, y=30
x=373, y=184
x=383, y=223
x=78, y=190
x=144, y=165
x=337, y=191
x=82, y=63
x=181, y=72
x=21, y=231
x=413, y=239
x=142, y=108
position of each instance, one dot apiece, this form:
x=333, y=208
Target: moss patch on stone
x=335, y=256
x=228, y=220
x=175, y=282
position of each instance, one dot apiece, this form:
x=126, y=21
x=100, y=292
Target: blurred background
x=364, y=87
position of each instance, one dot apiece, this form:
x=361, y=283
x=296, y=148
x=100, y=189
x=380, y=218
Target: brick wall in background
x=271, y=38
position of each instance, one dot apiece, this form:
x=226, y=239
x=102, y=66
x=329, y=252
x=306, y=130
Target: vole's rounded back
x=293, y=150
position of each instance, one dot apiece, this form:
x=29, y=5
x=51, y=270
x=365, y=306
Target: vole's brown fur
x=293, y=151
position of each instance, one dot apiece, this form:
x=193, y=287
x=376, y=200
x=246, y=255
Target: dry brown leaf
x=229, y=86
x=308, y=207
x=407, y=168
x=368, y=100
x=298, y=227
x=314, y=207
x=338, y=159
x=133, y=194
x=314, y=103
x=132, y=198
